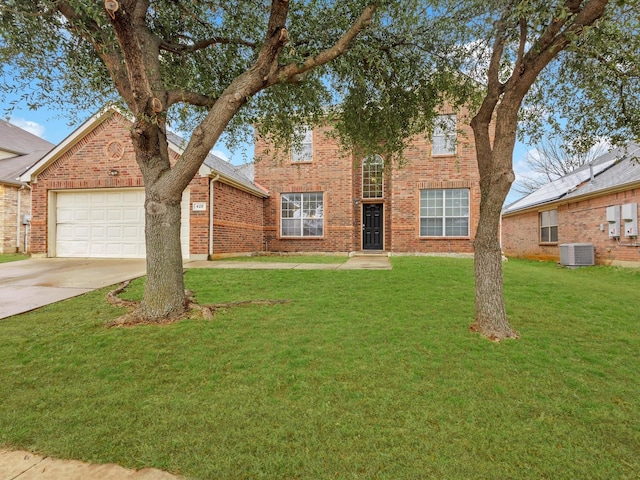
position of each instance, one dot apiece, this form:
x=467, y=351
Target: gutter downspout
x=18, y=219
x=213, y=180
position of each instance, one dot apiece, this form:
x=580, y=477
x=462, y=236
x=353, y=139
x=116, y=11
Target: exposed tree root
x=493, y=334
x=113, y=299
x=192, y=309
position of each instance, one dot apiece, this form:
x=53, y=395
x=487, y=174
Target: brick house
x=596, y=204
x=323, y=200
x=88, y=199
x=19, y=149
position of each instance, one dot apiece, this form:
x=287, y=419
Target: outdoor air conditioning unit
x=577, y=254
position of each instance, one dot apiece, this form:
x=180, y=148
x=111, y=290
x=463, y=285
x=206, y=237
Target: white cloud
x=29, y=126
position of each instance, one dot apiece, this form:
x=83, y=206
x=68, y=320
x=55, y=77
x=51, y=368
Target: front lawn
x=363, y=374
x=12, y=257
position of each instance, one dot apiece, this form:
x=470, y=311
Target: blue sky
x=53, y=127
x=48, y=124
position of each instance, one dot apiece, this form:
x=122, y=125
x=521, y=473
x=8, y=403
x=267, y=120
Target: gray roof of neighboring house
x=613, y=169
x=248, y=170
x=219, y=165
x=27, y=147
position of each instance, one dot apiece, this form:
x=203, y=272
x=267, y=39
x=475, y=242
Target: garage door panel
x=107, y=223
x=96, y=215
x=66, y=230
x=130, y=232
x=75, y=249
x=132, y=215
x=65, y=215
x=97, y=250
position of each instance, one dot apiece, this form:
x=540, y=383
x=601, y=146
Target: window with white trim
x=444, y=212
x=549, y=226
x=372, y=177
x=302, y=214
x=444, y=141
x=303, y=152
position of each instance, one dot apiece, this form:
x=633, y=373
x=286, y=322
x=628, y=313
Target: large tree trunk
x=164, y=296
x=496, y=176
x=490, y=312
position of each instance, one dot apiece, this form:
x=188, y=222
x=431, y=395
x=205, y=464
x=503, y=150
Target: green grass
x=289, y=259
x=363, y=375
x=12, y=257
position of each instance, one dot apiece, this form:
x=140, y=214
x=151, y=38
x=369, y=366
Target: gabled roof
x=614, y=169
x=213, y=165
x=217, y=166
x=22, y=149
x=32, y=173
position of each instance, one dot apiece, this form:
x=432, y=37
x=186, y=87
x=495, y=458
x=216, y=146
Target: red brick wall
x=578, y=222
x=424, y=171
x=339, y=176
x=86, y=165
x=330, y=172
x=237, y=221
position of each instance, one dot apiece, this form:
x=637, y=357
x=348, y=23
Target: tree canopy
x=378, y=69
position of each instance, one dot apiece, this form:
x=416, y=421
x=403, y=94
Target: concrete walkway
x=358, y=262
x=21, y=465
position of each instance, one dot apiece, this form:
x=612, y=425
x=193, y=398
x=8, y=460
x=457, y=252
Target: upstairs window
x=444, y=213
x=372, y=177
x=302, y=214
x=303, y=152
x=549, y=226
x=444, y=135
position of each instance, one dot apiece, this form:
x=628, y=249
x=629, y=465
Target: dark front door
x=372, y=226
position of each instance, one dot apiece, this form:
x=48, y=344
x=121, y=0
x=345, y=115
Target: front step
x=369, y=253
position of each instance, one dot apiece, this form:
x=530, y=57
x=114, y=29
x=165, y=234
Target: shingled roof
x=614, y=169
x=20, y=150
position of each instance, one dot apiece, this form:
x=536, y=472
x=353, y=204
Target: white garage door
x=107, y=223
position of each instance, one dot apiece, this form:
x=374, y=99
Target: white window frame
x=549, y=226
x=444, y=212
x=303, y=152
x=444, y=139
x=306, y=219
x=373, y=177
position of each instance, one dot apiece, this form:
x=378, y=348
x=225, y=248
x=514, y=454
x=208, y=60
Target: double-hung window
x=549, y=226
x=444, y=212
x=302, y=214
x=303, y=152
x=444, y=135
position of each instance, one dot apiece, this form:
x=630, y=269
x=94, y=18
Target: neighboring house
x=323, y=200
x=19, y=149
x=596, y=204
x=88, y=199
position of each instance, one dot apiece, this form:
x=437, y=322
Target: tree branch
x=192, y=98
x=202, y=44
x=523, y=43
x=291, y=71
x=109, y=56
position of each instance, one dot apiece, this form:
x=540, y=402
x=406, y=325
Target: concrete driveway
x=29, y=284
